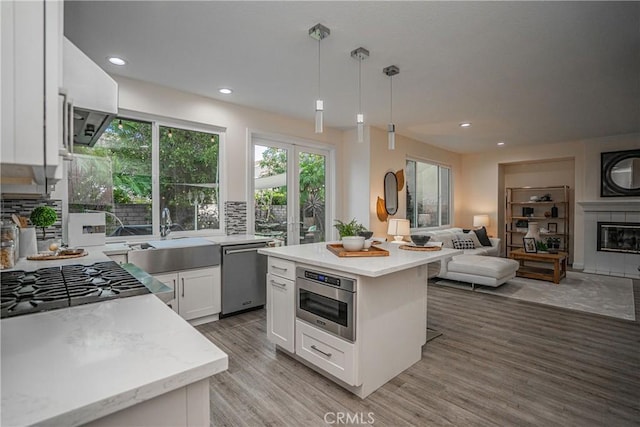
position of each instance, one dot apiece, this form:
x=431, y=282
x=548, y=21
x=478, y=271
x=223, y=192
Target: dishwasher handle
x=239, y=251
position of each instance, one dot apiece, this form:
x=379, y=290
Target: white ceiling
x=521, y=72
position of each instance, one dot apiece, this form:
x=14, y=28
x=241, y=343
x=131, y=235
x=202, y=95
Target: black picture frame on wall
x=615, y=164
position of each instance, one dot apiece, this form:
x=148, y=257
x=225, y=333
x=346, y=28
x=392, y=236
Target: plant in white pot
x=43, y=217
x=350, y=234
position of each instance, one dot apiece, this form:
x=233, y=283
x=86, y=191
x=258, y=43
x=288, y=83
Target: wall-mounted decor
x=391, y=193
x=620, y=173
x=381, y=211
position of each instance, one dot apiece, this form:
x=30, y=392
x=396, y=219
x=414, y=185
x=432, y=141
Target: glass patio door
x=289, y=192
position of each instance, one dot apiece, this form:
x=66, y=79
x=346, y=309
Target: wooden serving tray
x=65, y=254
x=338, y=250
x=420, y=248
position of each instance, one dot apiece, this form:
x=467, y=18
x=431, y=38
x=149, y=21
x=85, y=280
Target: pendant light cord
x=320, y=39
x=391, y=99
x=359, y=85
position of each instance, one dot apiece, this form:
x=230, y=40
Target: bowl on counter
x=353, y=243
x=366, y=234
x=420, y=239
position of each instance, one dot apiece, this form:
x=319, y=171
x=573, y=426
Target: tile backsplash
x=23, y=207
x=235, y=214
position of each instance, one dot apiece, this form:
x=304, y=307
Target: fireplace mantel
x=610, y=206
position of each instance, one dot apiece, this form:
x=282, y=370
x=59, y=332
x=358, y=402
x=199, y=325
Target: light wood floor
x=499, y=362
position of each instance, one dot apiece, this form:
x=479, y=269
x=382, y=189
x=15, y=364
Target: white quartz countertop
x=95, y=254
x=317, y=254
x=73, y=365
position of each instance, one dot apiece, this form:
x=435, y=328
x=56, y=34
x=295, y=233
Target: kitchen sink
x=160, y=256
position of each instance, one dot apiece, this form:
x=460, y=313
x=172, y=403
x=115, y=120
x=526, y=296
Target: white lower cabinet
x=170, y=280
x=281, y=313
x=328, y=352
x=197, y=291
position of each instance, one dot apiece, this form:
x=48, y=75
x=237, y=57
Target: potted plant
x=352, y=228
x=43, y=217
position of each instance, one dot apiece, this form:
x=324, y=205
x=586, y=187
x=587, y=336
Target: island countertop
x=317, y=254
x=74, y=365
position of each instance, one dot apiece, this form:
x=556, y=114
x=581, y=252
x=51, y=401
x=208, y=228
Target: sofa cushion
x=473, y=237
x=462, y=243
x=482, y=265
x=481, y=234
x=482, y=250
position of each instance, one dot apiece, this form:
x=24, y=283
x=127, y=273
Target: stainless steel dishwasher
x=244, y=283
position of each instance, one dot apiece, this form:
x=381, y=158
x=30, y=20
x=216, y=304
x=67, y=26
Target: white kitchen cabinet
x=326, y=351
x=197, y=291
x=281, y=314
x=32, y=110
x=170, y=280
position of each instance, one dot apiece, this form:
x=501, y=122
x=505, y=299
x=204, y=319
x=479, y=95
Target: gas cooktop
x=70, y=285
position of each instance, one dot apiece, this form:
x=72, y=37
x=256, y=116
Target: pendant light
x=360, y=54
x=391, y=71
x=319, y=32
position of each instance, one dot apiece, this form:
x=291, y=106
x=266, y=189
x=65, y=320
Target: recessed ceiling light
x=465, y=124
x=116, y=61
x=501, y=143
x=225, y=90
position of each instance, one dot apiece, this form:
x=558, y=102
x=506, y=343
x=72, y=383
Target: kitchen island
x=384, y=316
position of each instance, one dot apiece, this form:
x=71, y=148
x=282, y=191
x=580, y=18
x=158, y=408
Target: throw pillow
x=463, y=244
x=481, y=233
x=472, y=236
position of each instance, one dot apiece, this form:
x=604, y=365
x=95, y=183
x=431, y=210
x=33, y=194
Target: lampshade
x=481, y=220
x=398, y=228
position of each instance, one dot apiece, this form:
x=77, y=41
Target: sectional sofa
x=479, y=265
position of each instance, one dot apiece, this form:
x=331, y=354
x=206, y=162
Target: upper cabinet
x=33, y=114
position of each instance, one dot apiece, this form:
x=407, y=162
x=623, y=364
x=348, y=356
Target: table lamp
x=398, y=228
x=481, y=220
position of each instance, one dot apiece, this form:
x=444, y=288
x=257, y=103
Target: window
x=428, y=194
x=115, y=176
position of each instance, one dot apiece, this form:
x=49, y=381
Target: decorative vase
x=533, y=231
x=554, y=212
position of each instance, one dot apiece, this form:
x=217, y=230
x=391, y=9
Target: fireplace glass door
x=621, y=237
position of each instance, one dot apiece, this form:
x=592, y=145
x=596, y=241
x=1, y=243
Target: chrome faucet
x=165, y=223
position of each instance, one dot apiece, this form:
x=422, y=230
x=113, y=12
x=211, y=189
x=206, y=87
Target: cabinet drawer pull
x=282, y=285
x=278, y=268
x=174, y=289
x=320, y=351
x=183, y=286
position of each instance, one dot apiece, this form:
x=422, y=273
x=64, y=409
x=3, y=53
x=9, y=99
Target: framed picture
x=529, y=245
x=553, y=227
x=617, y=174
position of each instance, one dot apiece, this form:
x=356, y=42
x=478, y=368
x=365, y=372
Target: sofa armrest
x=495, y=246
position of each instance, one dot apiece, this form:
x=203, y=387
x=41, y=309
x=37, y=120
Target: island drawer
x=282, y=268
x=330, y=353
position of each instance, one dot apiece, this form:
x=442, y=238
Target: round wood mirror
x=391, y=193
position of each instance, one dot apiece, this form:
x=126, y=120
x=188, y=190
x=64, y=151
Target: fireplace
x=623, y=237
x=611, y=237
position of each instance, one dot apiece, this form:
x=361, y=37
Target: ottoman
x=479, y=269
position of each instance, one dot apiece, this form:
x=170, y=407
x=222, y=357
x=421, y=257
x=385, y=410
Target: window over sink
x=139, y=167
